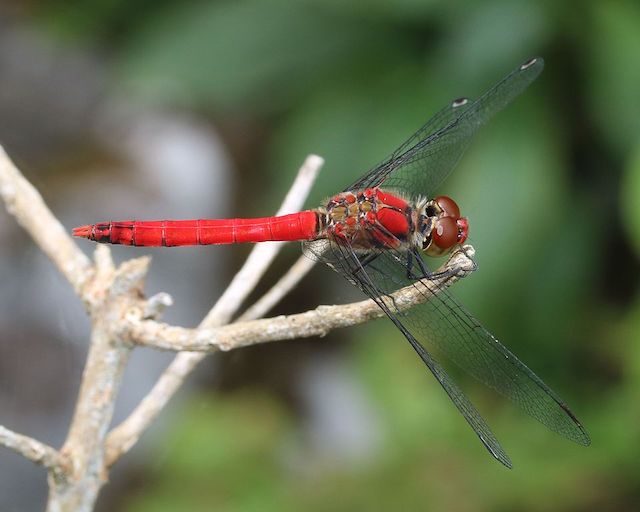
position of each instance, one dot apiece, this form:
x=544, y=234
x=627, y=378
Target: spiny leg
x=414, y=255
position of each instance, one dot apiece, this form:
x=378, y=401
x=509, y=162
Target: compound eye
x=445, y=233
x=449, y=206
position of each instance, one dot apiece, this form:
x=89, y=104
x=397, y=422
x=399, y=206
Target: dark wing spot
x=528, y=63
x=459, y=102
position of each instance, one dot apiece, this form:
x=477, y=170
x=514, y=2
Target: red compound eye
x=445, y=233
x=449, y=206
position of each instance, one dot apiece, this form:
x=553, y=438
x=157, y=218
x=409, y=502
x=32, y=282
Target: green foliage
x=251, y=54
x=242, y=452
x=630, y=203
x=614, y=77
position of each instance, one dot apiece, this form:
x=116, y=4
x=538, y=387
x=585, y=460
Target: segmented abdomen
x=169, y=233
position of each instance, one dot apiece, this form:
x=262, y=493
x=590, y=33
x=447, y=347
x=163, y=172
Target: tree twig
x=101, y=380
x=127, y=433
x=262, y=255
x=275, y=294
x=24, y=202
x=31, y=449
x=317, y=322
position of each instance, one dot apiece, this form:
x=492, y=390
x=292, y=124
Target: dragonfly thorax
x=368, y=219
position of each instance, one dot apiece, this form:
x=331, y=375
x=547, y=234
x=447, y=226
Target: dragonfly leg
x=424, y=272
x=368, y=259
x=362, y=262
x=414, y=256
x=360, y=274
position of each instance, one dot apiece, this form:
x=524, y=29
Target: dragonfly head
x=443, y=227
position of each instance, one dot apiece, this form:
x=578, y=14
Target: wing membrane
x=347, y=263
x=421, y=163
x=443, y=324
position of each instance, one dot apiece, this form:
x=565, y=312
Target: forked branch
x=125, y=435
x=31, y=449
x=123, y=318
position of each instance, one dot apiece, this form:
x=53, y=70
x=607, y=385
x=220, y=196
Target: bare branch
x=286, y=283
x=31, y=449
x=125, y=435
x=114, y=293
x=263, y=254
x=317, y=322
x=77, y=470
x=25, y=203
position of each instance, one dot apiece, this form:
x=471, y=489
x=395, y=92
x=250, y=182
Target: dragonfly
x=378, y=234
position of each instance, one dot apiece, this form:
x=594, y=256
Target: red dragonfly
x=375, y=234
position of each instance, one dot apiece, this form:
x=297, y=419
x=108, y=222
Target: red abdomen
x=169, y=233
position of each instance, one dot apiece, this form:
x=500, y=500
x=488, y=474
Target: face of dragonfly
x=442, y=227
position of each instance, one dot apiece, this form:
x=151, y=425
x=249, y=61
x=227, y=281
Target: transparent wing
x=347, y=263
x=419, y=165
x=443, y=324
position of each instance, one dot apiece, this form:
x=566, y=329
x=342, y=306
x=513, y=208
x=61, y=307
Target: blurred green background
x=552, y=190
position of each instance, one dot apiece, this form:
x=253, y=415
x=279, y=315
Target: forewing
x=444, y=324
x=347, y=263
x=420, y=165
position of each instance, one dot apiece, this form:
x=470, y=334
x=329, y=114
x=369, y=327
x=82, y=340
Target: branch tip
x=156, y=305
x=30, y=448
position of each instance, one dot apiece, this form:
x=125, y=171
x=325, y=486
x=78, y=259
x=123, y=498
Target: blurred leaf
x=249, y=53
x=101, y=21
x=353, y=125
x=408, y=11
x=613, y=82
x=484, y=40
x=630, y=203
x=630, y=330
x=218, y=449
